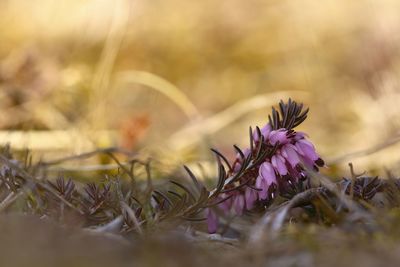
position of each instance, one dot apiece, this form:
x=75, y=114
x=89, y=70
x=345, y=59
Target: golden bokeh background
x=173, y=77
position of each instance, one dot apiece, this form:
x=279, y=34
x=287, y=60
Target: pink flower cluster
x=287, y=166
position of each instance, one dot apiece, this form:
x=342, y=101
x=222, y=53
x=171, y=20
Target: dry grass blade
x=9, y=200
x=161, y=85
x=272, y=221
x=201, y=237
x=366, y=152
x=112, y=227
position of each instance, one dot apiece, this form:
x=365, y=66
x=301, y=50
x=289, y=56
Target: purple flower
x=263, y=186
x=224, y=207
x=307, y=149
x=276, y=166
x=278, y=136
x=290, y=153
x=266, y=178
x=250, y=196
x=279, y=164
x=267, y=172
x=212, y=221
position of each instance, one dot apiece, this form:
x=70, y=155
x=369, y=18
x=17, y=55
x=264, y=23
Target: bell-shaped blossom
x=266, y=178
x=267, y=172
x=223, y=207
x=307, y=149
x=250, y=196
x=212, y=221
x=262, y=184
x=290, y=153
x=226, y=205
x=278, y=136
x=278, y=162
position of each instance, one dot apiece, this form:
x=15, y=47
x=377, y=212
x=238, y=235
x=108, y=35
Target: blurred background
x=172, y=78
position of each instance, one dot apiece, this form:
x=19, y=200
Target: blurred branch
x=49, y=140
x=366, y=152
x=101, y=79
x=88, y=155
x=87, y=168
x=213, y=124
x=161, y=85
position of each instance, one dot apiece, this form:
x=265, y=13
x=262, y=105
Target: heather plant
x=279, y=165
x=275, y=163
x=268, y=187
